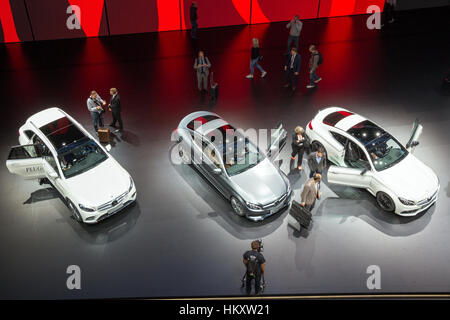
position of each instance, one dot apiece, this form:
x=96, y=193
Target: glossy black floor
x=181, y=238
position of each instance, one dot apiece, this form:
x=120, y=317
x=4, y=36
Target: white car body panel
x=93, y=188
x=409, y=179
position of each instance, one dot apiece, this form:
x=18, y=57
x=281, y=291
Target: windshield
x=239, y=157
x=385, y=151
x=80, y=156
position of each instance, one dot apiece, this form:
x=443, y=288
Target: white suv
x=56, y=147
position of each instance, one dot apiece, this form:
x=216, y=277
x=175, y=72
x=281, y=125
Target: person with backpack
x=255, y=263
x=314, y=62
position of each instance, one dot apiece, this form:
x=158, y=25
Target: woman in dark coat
x=299, y=146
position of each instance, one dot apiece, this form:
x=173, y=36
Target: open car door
x=353, y=177
x=277, y=141
x=26, y=161
x=415, y=134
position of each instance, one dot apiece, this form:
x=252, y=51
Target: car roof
x=345, y=120
x=46, y=116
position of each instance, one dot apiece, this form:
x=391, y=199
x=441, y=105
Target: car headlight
x=253, y=206
x=87, y=209
x=131, y=184
x=407, y=202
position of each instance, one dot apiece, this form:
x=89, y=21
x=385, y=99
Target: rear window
x=202, y=120
x=335, y=117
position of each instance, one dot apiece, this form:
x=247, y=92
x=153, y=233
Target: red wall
x=46, y=19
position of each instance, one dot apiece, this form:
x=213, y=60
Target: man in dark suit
x=292, y=68
x=115, y=108
x=317, y=162
x=193, y=18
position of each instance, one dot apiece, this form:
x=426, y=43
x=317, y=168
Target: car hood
x=261, y=184
x=99, y=185
x=410, y=179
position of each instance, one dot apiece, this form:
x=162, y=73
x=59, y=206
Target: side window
x=210, y=152
x=51, y=161
x=28, y=133
x=339, y=138
x=24, y=152
x=355, y=157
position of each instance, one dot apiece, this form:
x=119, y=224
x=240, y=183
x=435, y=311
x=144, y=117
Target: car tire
x=385, y=202
x=184, y=156
x=73, y=209
x=237, y=206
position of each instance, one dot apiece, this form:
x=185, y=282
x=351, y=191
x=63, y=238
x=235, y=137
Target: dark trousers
x=388, y=13
x=116, y=118
x=313, y=77
x=98, y=119
x=296, y=151
x=290, y=40
x=194, y=26
x=248, y=283
x=291, y=78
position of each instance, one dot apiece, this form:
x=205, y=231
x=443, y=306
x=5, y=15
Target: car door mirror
x=50, y=171
x=414, y=144
x=217, y=171
x=363, y=172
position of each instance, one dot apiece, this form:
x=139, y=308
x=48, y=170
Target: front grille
x=427, y=200
x=112, y=203
x=276, y=202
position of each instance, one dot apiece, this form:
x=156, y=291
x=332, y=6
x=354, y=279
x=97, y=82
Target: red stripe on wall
x=342, y=7
x=7, y=21
x=168, y=15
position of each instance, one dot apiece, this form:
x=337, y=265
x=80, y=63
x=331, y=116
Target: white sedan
x=366, y=156
x=55, y=148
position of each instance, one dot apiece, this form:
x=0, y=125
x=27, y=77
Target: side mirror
x=50, y=171
x=363, y=172
x=217, y=171
x=414, y=144
x=108, y=147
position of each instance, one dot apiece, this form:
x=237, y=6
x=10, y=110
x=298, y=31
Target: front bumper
x=409, y=211
x=97, y=216
x=260, y=215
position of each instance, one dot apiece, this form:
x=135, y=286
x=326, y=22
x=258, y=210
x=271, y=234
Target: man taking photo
x=255, y=264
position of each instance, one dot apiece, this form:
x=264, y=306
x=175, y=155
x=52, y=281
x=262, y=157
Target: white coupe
x=366, y=156
x=54, y=147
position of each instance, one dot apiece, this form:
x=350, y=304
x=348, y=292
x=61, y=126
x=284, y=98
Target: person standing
x=311, y=192
x=115, y=108
x=95, y=106
x=295, y=27
x=255, y=264
x=314, y=61
x=202, y=66
x=292, y=68
x=388, y=12
x=298, y=144
x=255, y=57
x=317, y=162
x=193, y=18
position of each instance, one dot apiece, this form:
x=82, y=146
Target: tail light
x=310, y=126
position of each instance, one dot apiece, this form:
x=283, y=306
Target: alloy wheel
x=385, y=202
x=183, y=155
x=237, y=206
x=75, y=214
